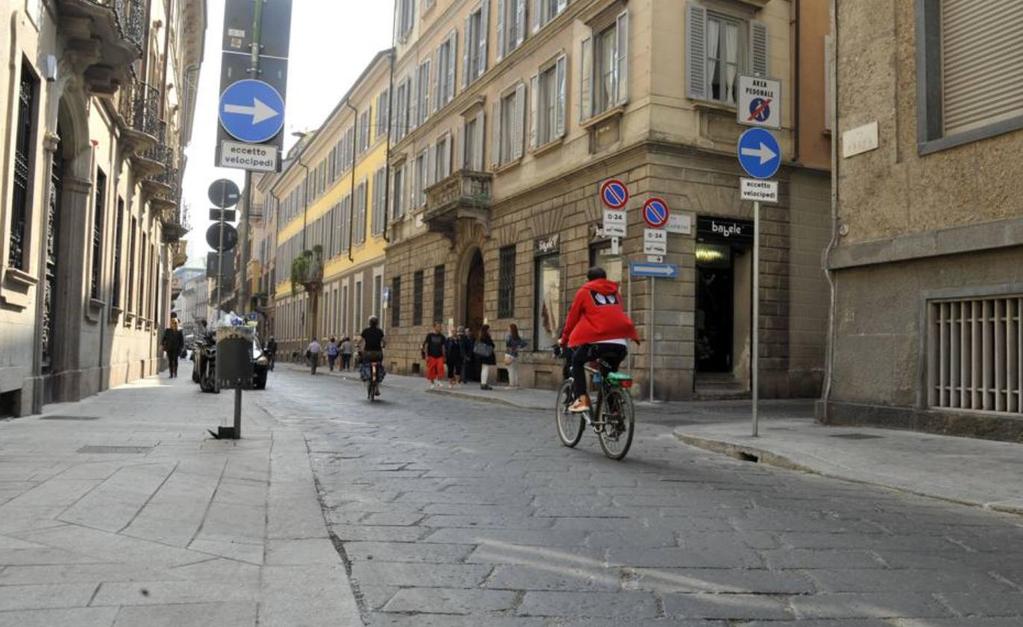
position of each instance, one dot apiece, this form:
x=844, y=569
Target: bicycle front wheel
x=570, y=426
x=619, y=418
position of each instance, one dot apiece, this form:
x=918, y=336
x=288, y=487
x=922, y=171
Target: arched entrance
x=474, y=285
x=52, y=243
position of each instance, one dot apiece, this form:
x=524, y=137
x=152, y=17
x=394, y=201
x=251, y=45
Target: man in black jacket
x=172, y=343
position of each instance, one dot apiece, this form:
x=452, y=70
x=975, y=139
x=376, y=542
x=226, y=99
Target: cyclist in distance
x=597, y=328
x=372, y=344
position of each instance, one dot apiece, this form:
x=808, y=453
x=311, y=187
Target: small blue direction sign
x=252, y=111
x=655, y=212
x=657, y=270
x=614, y=194
x=759, y=153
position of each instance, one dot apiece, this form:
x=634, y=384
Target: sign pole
x=755, y=358
x=652, y=326
x=220, y=252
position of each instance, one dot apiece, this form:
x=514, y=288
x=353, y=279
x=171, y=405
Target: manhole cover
x=855, y=436
x=115, y=449
x=69, y=418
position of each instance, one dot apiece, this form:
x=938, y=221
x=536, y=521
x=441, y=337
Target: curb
x=747, y=453
x=495, y=400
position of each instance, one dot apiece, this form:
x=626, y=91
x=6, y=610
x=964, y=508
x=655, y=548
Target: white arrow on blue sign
x=759, y=153
x=656, y=270
x=252, y=111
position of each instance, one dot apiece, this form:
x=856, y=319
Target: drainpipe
x=351, y=196
x=795, y=28
x=305, y=200
x=828, y=274
x=387, y=151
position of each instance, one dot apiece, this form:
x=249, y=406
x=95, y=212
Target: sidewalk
x=121, y=510
x=980, y=473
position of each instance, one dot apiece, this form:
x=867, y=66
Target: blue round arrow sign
x=759, y=153
x=252, y=111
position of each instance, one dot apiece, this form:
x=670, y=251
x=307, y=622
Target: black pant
x=613, y=354
x=172, y=362
x=346, y=361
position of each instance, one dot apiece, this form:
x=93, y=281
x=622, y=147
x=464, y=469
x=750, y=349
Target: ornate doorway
x=474, y=285
x=50, y=304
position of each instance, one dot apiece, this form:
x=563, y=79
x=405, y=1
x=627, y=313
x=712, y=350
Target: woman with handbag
x=512, y=345
x=484, y=351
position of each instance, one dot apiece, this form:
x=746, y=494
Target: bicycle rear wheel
x=619, y=418
x=570, y=426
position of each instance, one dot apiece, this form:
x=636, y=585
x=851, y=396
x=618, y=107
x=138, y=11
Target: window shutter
x=452, y=62
x=535, y=17
x=561, y=101
x=696, y=52
x=622, y=59
x=438, y=88
x=413, y=107
x=431, y=169
x=519, y=135
x=758, y=48
x=534, y=106
x=500, y=28
x=456, y=134
x=484, y=34
x=478, y=138
x=495, y=144
x=561, y=6
x=424, y=113
x=520, y=22
x=466, y=47
x=586, y=80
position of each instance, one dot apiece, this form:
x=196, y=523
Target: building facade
x=507, y=115
x=928, y=230
x=97, y=106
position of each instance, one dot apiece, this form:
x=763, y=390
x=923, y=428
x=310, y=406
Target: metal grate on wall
x=975, y=354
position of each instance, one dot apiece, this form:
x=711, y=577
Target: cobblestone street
x=454, y=512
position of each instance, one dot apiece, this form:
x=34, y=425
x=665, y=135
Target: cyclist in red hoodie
x=597, y=328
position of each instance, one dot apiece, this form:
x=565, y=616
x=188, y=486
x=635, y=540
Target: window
x=511, y=26
x=357, y=316
x=968, y=85
x=600, y=255
x=132, y=263
x=446, y=62
x=345, y=228
x=378, y=289
x=506, y=282
x=438, y=294
x=509, y=134
x=472, y=142
x=398, y=193
x=23, y=169
x=383, y=112
x=442, y=159
x=474, y=50
x=720, y=49
x=548, y=104
x=361, y=196
x=422, y=179
x=400, y=124
x=364, y=130
x=115, y=298
x=379, y=201
x=97, y=234
x=422, y=96
x=604, y=69
x=547, y=314
x=546, y=10
x=406, y=18
x=396, y=301
x=417, y=298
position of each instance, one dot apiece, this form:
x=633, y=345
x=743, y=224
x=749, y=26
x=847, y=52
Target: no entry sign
x=614, y=194
x=655, y=212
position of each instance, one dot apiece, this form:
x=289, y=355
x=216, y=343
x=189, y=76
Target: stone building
x=927, y=258
x=329, y=203
x=97, y=105
x=507, y=115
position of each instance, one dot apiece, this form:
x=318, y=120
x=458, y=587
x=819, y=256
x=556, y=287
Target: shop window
x=506, y=282
x=548, y=315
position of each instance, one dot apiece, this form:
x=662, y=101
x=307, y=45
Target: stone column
x=74, y=235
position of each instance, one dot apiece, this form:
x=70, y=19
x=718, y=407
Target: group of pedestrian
x=334, y=349
x=459, y=352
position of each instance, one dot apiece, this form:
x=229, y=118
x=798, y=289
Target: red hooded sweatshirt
x=597, y=316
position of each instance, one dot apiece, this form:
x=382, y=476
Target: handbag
x=484, y=351
x=509, y=359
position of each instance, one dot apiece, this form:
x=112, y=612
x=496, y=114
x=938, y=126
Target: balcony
x=139, y=109
x=465, y=195
x=179, y=253
x=164, y=191
x=104, y=38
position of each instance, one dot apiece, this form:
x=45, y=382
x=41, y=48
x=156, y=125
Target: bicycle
x=612, y=417
x=373, y=383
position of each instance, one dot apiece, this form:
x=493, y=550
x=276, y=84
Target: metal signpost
x=652, y=271
x=760, y=156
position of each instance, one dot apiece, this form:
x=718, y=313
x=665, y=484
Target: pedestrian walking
x=466, y=343
x=347, y=348
x=271, y=351
x=513, y=343
x=453, y=356
x=433, y=350
x=312, y=354
x=484, y=350
x=173, y=341
x=332, y=352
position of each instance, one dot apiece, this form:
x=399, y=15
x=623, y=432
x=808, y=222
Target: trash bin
x=234, y=357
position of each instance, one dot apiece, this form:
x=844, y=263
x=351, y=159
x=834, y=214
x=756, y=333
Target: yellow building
x=329, y=203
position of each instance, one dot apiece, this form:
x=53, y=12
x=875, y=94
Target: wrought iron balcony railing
x=140, y=107
x=131, y=19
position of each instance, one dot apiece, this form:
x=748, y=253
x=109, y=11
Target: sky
x=332, y=41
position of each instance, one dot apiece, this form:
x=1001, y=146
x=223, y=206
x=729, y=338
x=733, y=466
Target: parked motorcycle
x=204, y=353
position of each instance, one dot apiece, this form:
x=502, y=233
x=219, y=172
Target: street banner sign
x=758, y=190
x=223, y=193
x=252, y=111
x=680, y=223
x=759, y=102
x=759, y=153
x=640, y=270
x=614, y=194
x=615, y=223
x=655, y=242
x=227, y=215
x=230, y=236
x=255, y=157
x=656, y=212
